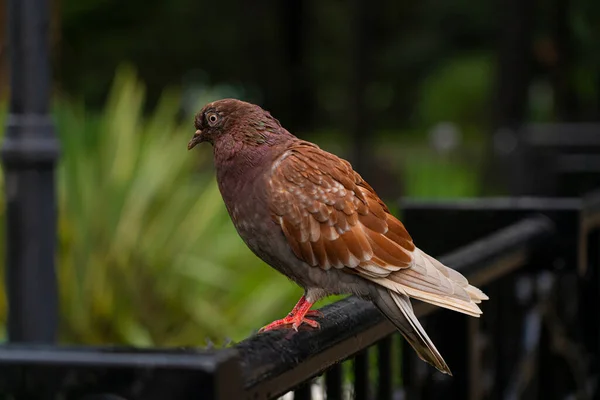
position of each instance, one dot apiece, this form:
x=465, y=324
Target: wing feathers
x=388, y=250
x=397, y=233
x=357, y=242
x=337, y=253
x=328, y=232
x=318, y=248
x=307, y=254
x=371, y=222
x=332, y=218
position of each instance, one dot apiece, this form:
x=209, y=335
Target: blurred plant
x=147, y=254
x=458, y=91
x=3, y=300
x=431, y=176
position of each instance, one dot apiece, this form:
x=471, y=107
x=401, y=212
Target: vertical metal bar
x=589, y=278
x=298, y=97
x=449, y=333
x=596, y=293
x=505, y=318
x=361, y=375
x=29, y=154
x=226, y=377
x=333, y=382
x=566, y=102
x=510, y=98
x=514, y=62
x=475, y=369
x=545, y=371
x=304, y=391
x=384, y=367
x=410, y=382
x=360, y=126
x=590, y=297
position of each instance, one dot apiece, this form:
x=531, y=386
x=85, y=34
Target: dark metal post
x=384, y=365
x=590, y=296
x=361, y=376
x=299, y=110
x=360, y=127
x=304, y=392
x=566, y=103
x=507, y=160
x=334, y=382
x=29, y=154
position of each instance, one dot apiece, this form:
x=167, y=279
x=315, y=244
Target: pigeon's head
x=230, y=120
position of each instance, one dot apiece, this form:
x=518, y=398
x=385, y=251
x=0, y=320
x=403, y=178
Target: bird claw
x=309, y=313
x=312, y=323
x=296, y=317
x=314, y=313
x=294, y=322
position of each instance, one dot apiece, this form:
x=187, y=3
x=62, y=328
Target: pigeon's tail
x=430, y=281
x=398, y=309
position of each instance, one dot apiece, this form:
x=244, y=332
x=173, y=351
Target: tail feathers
x=441, y=300
x=398, y=309
x=476, y=294
x=432, y=282
x=461, y=306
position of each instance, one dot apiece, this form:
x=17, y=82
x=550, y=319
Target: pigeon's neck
x=237, y=159
x=241, y=169
x=248, y=151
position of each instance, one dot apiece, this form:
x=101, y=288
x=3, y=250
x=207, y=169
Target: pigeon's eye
x=212, y=118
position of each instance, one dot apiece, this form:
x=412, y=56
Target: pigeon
x=308, y=214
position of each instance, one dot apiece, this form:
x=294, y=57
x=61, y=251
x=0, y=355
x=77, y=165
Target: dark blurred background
x=425, y=98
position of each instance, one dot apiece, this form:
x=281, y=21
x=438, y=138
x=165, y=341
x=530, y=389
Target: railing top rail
x=106, y=356
x=591, y=207
x=563, y=135
x=513, y=203
x=276, y=362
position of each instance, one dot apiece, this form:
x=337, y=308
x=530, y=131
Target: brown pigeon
x=310, y=216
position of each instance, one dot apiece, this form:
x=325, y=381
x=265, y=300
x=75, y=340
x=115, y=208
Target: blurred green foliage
x=458, y=91
x=3, y=300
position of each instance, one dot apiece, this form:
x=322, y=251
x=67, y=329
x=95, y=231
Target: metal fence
x=538, y=338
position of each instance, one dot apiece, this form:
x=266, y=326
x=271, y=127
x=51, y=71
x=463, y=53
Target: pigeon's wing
x=332, y=218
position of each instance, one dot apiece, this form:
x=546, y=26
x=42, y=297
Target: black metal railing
x=483, y=353
x=551, y=159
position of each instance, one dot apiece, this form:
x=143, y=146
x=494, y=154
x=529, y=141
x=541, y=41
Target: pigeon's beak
x=198, y=138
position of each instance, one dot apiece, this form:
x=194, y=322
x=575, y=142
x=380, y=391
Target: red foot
x=294, y=321
x=314, y=313
x=296, y=317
